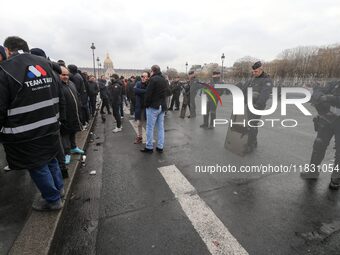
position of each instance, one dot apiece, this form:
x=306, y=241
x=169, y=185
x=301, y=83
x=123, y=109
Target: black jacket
x=262, y=87
x=115, y=92
x=131, y=90
x=92, y=88
x=29, y=114
x=175, y=88
x=27, y=98
x=140, y=89
x=156, y=92
x=72, y=122
x=324, y=105
x=78, y=81
x=104, y=93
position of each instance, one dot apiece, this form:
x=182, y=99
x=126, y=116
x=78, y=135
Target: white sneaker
x=116, y=130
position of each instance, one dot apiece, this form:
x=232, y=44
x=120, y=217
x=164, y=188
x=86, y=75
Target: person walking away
x=92, y=93
x=115, y=94
x=104, y=95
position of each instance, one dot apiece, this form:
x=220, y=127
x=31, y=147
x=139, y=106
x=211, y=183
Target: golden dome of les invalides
x=108, y=62
x=108, y=69
x=108, y=66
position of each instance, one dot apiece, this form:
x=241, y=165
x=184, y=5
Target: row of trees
x=202, y=72
x=302, y=62
x=294, y=66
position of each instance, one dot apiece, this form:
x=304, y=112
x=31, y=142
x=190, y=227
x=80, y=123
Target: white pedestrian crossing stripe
x=210, y=228
x=214, y=234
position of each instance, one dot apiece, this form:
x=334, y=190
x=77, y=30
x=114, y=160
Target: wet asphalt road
x=128, y=208
x=16, y=197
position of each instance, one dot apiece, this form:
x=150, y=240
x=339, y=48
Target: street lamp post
x=186, y=67
x=94, y=65
x=222, y=74
x=100, y=68
x=98, y=65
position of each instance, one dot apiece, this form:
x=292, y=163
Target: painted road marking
x=210, y=228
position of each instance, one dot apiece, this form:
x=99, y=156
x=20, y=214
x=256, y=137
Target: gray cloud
x=138, y=34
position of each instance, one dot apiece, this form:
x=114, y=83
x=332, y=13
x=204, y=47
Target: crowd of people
x=43, y=104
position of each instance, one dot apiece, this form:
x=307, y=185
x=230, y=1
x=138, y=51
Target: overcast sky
x=138, y=34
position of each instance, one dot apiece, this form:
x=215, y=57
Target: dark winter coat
x=175, y=88
x=78, y=81
x=156, y=92
x=140, y=89
x=104, y=93
x=130, y=90
x=29, y=96
x=92, y=88
x=72, y=121
x=262, y=87
x=115, y=92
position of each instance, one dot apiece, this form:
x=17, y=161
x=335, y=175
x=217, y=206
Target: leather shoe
x=146, y=150
x=159, y=150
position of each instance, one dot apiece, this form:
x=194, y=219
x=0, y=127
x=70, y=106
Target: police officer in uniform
x=29, y=120
x=327, y=124
x=175, y=88
x=186, y=99
x=262, y=87
x=194, y=87
x=211, y=106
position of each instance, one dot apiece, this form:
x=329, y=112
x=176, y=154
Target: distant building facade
x=108, y=69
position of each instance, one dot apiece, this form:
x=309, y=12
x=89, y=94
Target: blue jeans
x=49, y=180
x=154, y=117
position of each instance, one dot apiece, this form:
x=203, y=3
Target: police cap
x=258, y=64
